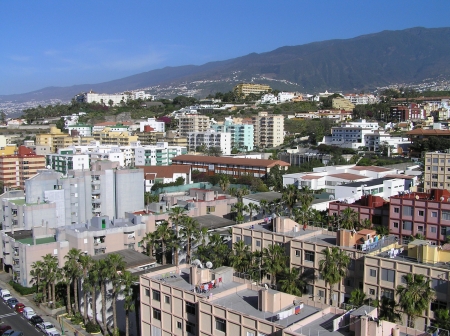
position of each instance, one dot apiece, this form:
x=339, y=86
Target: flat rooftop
x=269, y=196
x=322, y=325
x=131, y=258
x=403, y=256
x=268, y=228
x=246, y=302
x=213, y=222
x=39, y=241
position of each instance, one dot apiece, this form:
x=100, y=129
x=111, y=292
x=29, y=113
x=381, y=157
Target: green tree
x=290, y=196
x=176, y=217
x=164, y=235
x=442, y=319
x=240, y=256
x=93, y=284
x=252, y=207
x=116, y=266
x=333, y=267
x=389, y=310
x=357, y=297
x=86, y=263
x=52, y=276
x=224, y=182
x=104, y=278
x=275, y=178
x=415, y=296
x=190, y=231
x=348, y=219
x=149, y=243
x=127, y=281
x=274, y=261
x=293, y=282
x=214, y=151
x=73, y=272
x=37, y=274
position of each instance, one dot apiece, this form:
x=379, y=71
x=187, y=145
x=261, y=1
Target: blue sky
x=62, y=43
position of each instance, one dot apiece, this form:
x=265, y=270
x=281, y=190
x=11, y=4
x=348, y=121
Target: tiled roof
x=421, y=131
x=371, y=168
x=311, y=177
x=348, y=176
x=400, y=176
x=230, y=161
x=164, y=171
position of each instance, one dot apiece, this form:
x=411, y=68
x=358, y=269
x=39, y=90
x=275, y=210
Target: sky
x=64, y=43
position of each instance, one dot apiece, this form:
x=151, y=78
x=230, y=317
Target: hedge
x=21, y=289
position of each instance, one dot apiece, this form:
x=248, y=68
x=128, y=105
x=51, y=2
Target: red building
x=427, y=214
x=407, y=112
x=374, y=208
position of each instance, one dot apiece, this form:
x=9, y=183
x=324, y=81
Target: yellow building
x=5, y=147
x=244, y=89
x=108, y=137
x=342, y=104
x=268, y=130
x=57, y=139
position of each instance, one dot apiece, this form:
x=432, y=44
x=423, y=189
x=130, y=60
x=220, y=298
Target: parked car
x=4, y=328
x=36, y=319
x=16, y=333
x=46, y=327
x=53, y=333
x=19, y=307
x=4, y=292
x=28, y=312
x=8, y=332
x=12, y=302
x=6, y=297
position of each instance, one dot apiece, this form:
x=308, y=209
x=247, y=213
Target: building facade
x=66, y=160
x=436, y=173
x=193, y=123
x=209, y=140
x=244, y=89
x=242, y=135
x=268, y=130
x=160, y=154
x=157, y=126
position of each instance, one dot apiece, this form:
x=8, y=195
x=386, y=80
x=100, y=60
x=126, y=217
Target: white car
x=53, y=333
x=46, y=327
x=6, y=297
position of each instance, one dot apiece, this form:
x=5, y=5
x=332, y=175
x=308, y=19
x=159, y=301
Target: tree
x=37, y=273
x=415, y=296
x=290, y=196
x=116, y=267
x=348, y=219
x=61, y=124
x=93, y=284
x=442, y=319
x=252, y=207
x=104, y=274
x=190, y=233
x=149, y=242
x=275, y=178
x=86, y=263
x=357, y=297
x=52, y=275
x=164, y=235
x=176, y=216
x=127, y=280
x=110, y=103
x=224, y=182
x=292, y=282
x=240, y=256
x=274, y=261
x=389, y=310
x=214, y=151
x=73, y=271
x=333, y=267
x=306, y=196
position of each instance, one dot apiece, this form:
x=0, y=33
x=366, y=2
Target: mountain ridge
x=361, y=62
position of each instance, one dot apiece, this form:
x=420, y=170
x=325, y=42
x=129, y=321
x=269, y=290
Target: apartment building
x=193, y=123
x=115, y=135
x=66, y=160
x=56, y=139
x=16, y=169
x=361, y=99
x=384, y=271
x=149, y=137
x=340, y=103
x=244, y=89
x=407, y=112
x=165, y=174
x=101, y=126
x=436, y=173
x=268, y=130
x=157, y=126
x=242, y=135
x=427, y=214
x=80, y=129
x=230, y=166
x=160, y=154
x=210, y=139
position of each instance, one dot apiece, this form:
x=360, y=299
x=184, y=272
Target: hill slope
x=410, y=55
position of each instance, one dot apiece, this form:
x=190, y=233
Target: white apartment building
x=66, y=160
x=158, y=126
x=361, y=99
x=80, y=129
x=269, y=98
x=142, y=95
x=72, y=119
x=210, y=139
x=160, y=154
x=284, y=97
x=122, y=154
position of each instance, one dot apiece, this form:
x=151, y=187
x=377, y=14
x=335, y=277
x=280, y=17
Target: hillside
x=363, y=62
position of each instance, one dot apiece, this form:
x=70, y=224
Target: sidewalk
x=28, y=301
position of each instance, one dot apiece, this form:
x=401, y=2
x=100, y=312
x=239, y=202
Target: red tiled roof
x=348, y=176
x=421, y=131
x=164, y=171
x=311, y=177
x=230, y=161
x=400, y=176
x=371, y=168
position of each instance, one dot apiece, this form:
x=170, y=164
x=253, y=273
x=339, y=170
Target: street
x=16, y=321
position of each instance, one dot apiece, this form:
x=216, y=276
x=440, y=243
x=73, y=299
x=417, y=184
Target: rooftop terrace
x=39, y=241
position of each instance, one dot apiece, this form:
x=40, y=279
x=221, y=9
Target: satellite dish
x=442, y=198
x=209, y=264
x=49, y=167
x=196, y=262
x=265, y=286
x=417, y=197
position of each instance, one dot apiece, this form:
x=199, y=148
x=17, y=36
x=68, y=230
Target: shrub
x=21, y=289
x=76, y=319
x=91, y=327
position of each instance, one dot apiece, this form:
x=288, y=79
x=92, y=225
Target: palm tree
x=348, y=219
x=240, y=256
x=415, y=296
x=306, y=196
x=93, y=283
x=224, y=182
x=86, y=263
x=164, y=235
x=176, y=216
x=252, y=207
x=127, y=280
x=37, y=274
x=263, y=206
x=104, y=274
x=357, y=297
x=51, y=269
x=274, y=261
x=149, y=242
x=290, y=196
x=73, y=271
x=442, y=319
x=292, y=282
x=240, y=208
x=232, y=191
x=116, y=267
x=302, y=214
x=190, y=233
x=365, y=224
x=389, y=310
x=333, y=267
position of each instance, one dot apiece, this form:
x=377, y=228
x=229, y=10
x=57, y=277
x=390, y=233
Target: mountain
x=364, y=62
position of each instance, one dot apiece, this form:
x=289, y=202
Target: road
x=16, y=321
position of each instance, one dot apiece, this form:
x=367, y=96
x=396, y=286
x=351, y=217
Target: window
x=179, y=325
x=388, y=293
x=297, y=253
x=420, y=228
x=309, y=289
x=443, y=231
x=434, y=214
x=387, y=275
x=157, y=314
x=238, y=238
x=147, y=292
x=439, y=285
x=248, y=240
x=190, y=327
x=372, y=291
x=435, y=305
x=403, y=279
x=167, y=299
x=433, y=229
x=395, y=225
x=221, y=325
x=258, y=243
x=156, y=295
x=309, y=256
x=407, y=211
x=321, y=293
x=397, y=210
x=407, y=225
x=249, y=333
x=434, y=176
x=373, y=273
x=190, y=308
x=446, y=215
x=421, y=213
